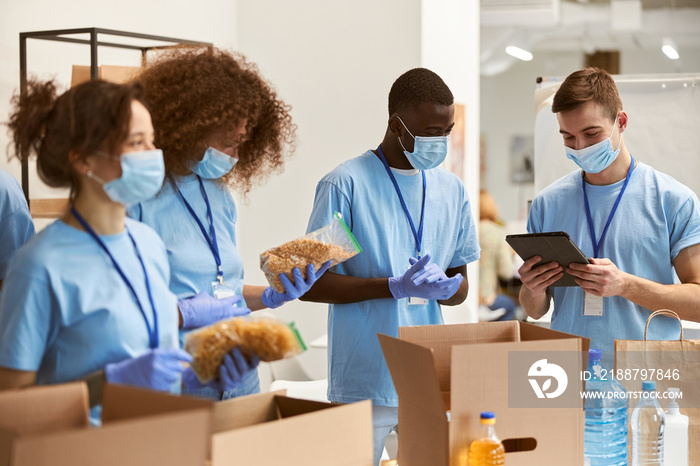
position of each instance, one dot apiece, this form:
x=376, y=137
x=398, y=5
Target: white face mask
x=595, y=158
x=142, y=177
x=428, y=152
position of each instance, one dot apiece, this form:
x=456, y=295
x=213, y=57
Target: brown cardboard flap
x=245, y=411
x=537, y=332
x=338, y=436
x=124, y=402
x=424, y=439
x=412, y=369
x=556, y=431
x=7, y=438
x=288, y=407
x=441, y=339
x=44, y=408
x=175, y=440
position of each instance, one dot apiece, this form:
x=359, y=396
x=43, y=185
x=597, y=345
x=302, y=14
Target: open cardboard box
x=465, y=369
x=48, y=425
x=267, y=429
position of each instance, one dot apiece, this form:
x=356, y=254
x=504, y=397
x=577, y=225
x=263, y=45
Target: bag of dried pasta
x=267, y=337
x=334, y=242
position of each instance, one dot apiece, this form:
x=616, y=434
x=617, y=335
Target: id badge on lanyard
x=222, y=289
x=592, y=304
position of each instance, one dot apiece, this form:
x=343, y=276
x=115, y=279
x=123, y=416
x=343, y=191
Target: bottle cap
x=594, y=354
x=673, y=407
x=649, y=385
x=488, y=417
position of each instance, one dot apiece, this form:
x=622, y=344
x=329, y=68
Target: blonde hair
x=487, y=206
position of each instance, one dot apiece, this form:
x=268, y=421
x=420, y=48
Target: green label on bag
x=292, y=326
x=339, y=216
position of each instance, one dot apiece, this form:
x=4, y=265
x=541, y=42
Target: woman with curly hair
x=220, y=126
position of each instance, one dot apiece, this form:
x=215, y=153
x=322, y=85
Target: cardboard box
x=48, y=425
x=267, y=429
x=465, y=369
x=111, y=73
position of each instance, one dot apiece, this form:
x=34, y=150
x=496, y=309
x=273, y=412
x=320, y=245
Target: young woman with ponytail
x=88, y=297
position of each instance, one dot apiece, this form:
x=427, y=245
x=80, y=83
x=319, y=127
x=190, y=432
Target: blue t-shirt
x=16, y=226
x=656, y=219
x=361, y=190
x=192, y=264
x=65, y=312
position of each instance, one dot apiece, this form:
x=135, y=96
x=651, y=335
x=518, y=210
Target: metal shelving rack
x=94, y=42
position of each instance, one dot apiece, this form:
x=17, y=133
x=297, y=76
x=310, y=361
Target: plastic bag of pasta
x=269, y=338
x=334, y=242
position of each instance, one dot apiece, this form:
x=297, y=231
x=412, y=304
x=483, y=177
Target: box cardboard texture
x=464, y=369
x=111, y=73
x=49, y=425
x=267, y=429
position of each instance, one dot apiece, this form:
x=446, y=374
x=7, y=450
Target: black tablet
x=551, y=246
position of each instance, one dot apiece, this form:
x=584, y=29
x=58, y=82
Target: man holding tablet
x=635, y=223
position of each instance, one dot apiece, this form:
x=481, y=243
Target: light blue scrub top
x=192, y=264
x=16, y=226
x=656, y=219
x=361, y=190
x=65, y=312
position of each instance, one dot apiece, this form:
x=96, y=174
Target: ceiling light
x=519, y=53
x=669, y=48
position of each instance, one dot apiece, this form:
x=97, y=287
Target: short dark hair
x=589, y=84
x=418, y=86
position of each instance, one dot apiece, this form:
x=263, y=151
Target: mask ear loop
x=409, y=132
x=619, y=142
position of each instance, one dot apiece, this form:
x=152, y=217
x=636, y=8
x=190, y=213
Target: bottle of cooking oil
x=487, y=450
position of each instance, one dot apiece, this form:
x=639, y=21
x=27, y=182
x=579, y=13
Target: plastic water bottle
x=487, y=450
x=676, y=433
x=648, y=424
x=605, y=438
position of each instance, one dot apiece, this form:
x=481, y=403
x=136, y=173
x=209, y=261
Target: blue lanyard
x=591, y=229
x=211, y=240
x=418, y=236
x=152, y=333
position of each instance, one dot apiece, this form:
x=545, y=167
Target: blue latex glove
x=158, y=369
x=231, y=373
x=272, y=298
x=431, y=273
x=203, y=309
x=404, y=286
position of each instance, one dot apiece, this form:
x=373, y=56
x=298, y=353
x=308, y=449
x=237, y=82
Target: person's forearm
x=334, y=288
x=535, y=304
x=253, y=297
x=683, y=299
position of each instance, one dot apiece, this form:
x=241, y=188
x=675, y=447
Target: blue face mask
x=595, y=158
x=428, y=152
x=142, y=177
x=214, y=164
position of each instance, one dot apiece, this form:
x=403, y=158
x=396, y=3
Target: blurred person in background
x=496, y=262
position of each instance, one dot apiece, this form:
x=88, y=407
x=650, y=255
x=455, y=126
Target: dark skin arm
x=334, y=288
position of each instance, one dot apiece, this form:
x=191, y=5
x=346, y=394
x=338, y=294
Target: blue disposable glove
x=158, y=369
x=272, y=298
x=231, y=373
x=404, y=286
x=202, y=309
x=431, y=273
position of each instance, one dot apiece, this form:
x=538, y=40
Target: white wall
x=507, y=109
x=210, y=21
x=334, y=64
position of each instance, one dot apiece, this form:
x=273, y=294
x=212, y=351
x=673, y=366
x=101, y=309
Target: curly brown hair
x=194, y=93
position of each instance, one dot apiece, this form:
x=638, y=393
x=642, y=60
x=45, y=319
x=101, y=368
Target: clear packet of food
x=334, y=242
x=269, y=338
